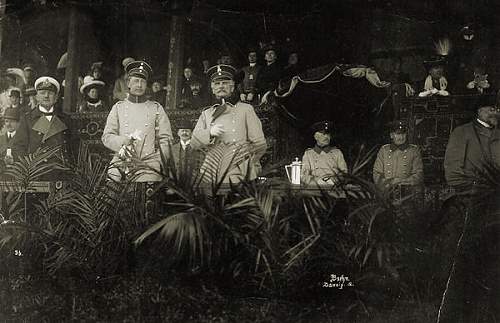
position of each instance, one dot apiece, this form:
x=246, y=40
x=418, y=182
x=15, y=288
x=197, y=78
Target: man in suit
x=472, y=291
x=137, y=130
x=250, y=72
x=473, y=145
x=43, y=127
x=231, y=124
x=186, y=159
x=11, y=123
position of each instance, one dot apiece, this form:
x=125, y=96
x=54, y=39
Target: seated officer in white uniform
x=322, y=163
x=398, y=163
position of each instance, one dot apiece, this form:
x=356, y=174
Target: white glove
x=216, y=130
x=136, y=135
x=243, y=97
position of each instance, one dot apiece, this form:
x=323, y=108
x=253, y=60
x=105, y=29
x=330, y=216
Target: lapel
x=56, y=127
x=49, y=128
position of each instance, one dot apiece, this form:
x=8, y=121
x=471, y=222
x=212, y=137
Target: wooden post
x=3, y=4
x=73, y=65
x=175, y=61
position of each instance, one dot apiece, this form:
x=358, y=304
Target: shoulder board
x=119, y=102
x=386, y=146
x=308, y=149
x=244, y=104
x=208, y=107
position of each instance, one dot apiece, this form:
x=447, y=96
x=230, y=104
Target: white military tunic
x=320, y=165
x=125, y=118
x=242, y=126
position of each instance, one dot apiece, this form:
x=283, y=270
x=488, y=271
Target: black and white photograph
x=250, y=161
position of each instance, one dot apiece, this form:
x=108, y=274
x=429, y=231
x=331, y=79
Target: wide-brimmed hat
x=11, y=114
x=90, y=83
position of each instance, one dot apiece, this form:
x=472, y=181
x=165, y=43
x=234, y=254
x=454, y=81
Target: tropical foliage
x=262, y=234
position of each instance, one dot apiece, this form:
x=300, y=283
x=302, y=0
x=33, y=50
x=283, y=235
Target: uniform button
x=146, y=124
x=234, y=130
x=389, y=164
x=234, y=121
x=389, y=156
x=404, y=157
x=234, y=150
x=234, y=139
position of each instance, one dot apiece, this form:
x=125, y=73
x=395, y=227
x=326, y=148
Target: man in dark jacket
x=472, y=145
x=270, y=74
x=472, y=290
x=42, y=127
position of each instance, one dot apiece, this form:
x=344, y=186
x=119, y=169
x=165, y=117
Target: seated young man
x=322, y=163
x=398, y=163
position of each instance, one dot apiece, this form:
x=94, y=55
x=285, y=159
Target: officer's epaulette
x=208, y=107
x=386, y=146
x=119, y=102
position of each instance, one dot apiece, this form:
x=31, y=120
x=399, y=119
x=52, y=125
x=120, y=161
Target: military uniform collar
x=402, y=147
x=232, y=100
x=44, y=110
x=483, y=124
x=326, y=149
x=136, y=99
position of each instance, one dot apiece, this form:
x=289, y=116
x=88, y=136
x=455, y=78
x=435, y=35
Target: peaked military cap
x=139, y=69
x=47, y=83
x=323, y=126
x=485, y=100
x=11, y=113
x=398, y=126
x=221, y=72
